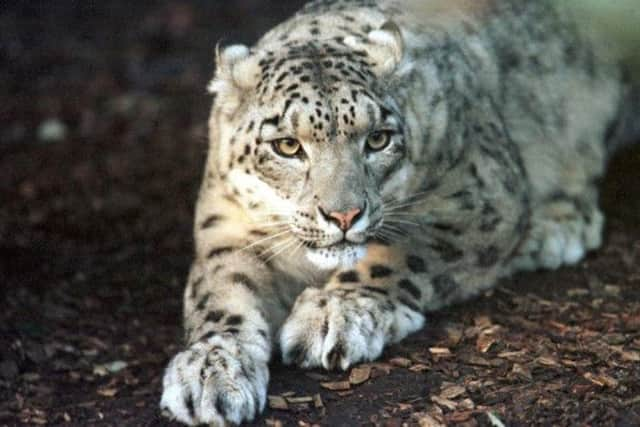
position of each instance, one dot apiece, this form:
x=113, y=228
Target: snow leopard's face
x=312, y=148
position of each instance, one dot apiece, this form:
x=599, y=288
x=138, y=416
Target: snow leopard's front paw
x=214, y=384
x=340, y=327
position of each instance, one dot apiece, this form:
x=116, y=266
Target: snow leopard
x=371, y=161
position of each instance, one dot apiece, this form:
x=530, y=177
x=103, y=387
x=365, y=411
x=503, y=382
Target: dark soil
x=95, y=243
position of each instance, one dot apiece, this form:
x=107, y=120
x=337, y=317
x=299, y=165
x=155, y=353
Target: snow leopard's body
x=436, y=152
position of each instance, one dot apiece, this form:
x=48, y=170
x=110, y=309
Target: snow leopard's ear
x=237, y=71
x=385, y=46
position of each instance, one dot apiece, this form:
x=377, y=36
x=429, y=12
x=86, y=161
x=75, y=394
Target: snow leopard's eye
x=287, y=147
x=379, y=140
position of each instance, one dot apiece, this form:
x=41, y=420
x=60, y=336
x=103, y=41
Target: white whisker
x=270, y=224
x=291, y=241
x=385, y=235
x=406, y=197
x=394, y=229
x=258, y=242
x=392, y=208
x=298, y=247
x=392, y=214
x=399, y=221
x=276, y=246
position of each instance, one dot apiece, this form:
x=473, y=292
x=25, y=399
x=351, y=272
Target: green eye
x=287, y=147
x=379, y=140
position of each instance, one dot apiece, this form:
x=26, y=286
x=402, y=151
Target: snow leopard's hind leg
x=563, y=229
x=566, y=225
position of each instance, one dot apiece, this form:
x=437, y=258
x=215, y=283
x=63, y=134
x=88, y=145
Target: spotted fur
x=494, y=119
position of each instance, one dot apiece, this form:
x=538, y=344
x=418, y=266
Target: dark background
x=102, y=142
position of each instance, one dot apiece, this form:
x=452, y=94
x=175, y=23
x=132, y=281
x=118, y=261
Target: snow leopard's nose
x=344, y=220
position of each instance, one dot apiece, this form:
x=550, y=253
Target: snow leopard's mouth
x=346, y=240
x=342, y=254
x=342, y=244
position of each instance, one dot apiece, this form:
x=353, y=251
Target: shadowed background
x=102, y=143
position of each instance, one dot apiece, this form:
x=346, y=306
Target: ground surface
x=95, y=242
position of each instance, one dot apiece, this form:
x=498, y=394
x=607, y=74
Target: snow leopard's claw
x=335, y=330
x=209, y=384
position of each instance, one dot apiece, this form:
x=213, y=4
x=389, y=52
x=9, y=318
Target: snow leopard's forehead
x=322, y=89
x=328, y=95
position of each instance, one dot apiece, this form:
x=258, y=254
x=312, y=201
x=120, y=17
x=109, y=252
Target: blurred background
x=617, y=22
x=102, y=141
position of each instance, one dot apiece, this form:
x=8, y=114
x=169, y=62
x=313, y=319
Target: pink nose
x=345, y=219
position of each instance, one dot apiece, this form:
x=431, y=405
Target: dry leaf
x=272, y=422
x=116, y=366
x=100, y=371
x=401, y=362
x=482, y=322
x=466, y=404
x=631, y=401
x=301, y=399
x=317, y=401
x=522, y=371
x=477, y=360
x=511, y=355
x=336, y=385
x=601, y=379
x=449, y=404
x=630, y=356
x=360, y=374
x=484, y=342
x=547, y=361
x=614, y=339
x=577, y=363
x=581, y=389
x=419, y=367
x=612, y=290
x=577, y=292
x=31, y=377
x=425, y=420
x=440, y=351
x=107, y=392
x=379, y=369
x=278, y=402
x=561, y=327
x=452, y=392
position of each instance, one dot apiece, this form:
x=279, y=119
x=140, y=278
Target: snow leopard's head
x=307, y=137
